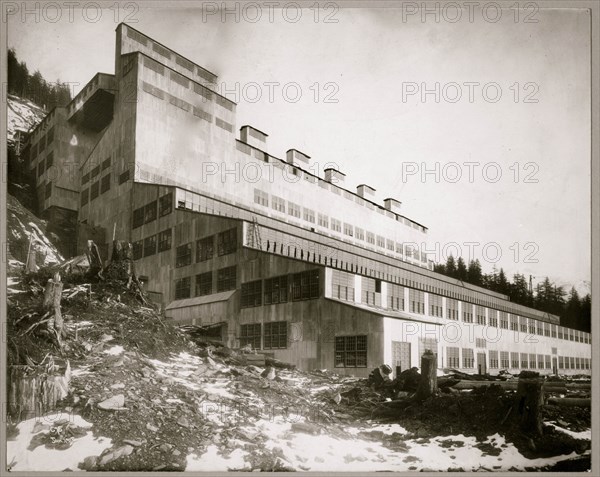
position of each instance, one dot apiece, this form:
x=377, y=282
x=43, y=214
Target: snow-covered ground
x=22, y=115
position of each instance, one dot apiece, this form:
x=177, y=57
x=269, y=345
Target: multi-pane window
x=342, y=285
x=524, y=361
x=531, y=326
x=205, y=248
x=368, y=290
x=309, y=215
x=548, y=361
x=323, y=221
x=85, y=178
x=453, y=355
x=561, y=362
x=250, y=335
x=348, y=230
x=85, y=196
x=164, y=240
x=560, y=332
x=105, y=184
x=540, y=361
x=468, y=358
x=416, y=299
x=546, y=329
x=532, y=361
x=95, y=171
x=380, y=241
x=305, y=285
x=183, y=288
x=480, y=343
x=261, y=197
x=294, y=209
x=95, y=190
x=480, y=314
x=395, y=296
x=251, y=294
x=514, y=322
x=41, y=168
x=49, y=160
x=124, y=177
x=503, y=320
x=360, y=233
x=494, y=359
x=150, y=212
x=204, y=284
x=276, y=290
x=539, y=328
x=278, y=204
x=371, y=238
x=183, y=255
x=523, y=324
x=435, y=305
x=336, y=225
x=138, y=217
x=504, y=361
x=451, y=309
x=48, y=191
x=514, y=360
x=493, y=318
x=226, y=278
x=149, y=246
x=275, y=335
x=389, y=244
x=350, y=351
x=467, y=312
x=106, y=163
x=165, y=204
x=138, y=249
x=227, y=242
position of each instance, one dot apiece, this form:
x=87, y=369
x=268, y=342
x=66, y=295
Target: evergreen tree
x=461, y=269
x=451, y=267
x=474, y=274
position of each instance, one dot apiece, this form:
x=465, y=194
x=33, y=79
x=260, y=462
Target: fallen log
x=570, y=402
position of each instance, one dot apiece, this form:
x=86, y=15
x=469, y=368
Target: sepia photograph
x=300, y=236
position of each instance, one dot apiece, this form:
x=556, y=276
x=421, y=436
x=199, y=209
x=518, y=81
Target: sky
x=479, y=125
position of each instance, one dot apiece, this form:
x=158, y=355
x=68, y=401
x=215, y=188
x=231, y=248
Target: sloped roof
x=200, y=300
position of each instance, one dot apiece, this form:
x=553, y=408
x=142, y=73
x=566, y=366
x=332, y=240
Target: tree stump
x=94, y=259
x=51, y=305
x=428, y=382
x=530, y=397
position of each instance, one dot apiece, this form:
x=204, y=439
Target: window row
x=294, y=287
x=158, y=243
x=149, y=212
x=226, y=243
x=274, y=335
x=226, y=281
x=99, y=187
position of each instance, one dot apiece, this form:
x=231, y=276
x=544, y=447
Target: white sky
x=371, y=133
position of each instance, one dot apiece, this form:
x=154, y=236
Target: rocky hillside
x=22, y=115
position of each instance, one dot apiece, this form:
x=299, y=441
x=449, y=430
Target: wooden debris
x=428, y=383
x=51, y=305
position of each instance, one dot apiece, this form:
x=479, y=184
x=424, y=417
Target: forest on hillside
x=574, y=311
x=34, y=87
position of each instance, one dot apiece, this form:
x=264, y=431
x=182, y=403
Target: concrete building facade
x=263, y=248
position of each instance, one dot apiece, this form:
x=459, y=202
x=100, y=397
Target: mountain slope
x=22, y=115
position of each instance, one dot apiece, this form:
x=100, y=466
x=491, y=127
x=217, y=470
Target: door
x=481, y=364
x=400, y=356
x=555, y=365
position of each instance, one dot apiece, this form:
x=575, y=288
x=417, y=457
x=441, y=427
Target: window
x=164, y=240
x=261, y=197
x=309, y=215
x=371, y=238
x=41, y=168
x=540, y=361
x=504, y=361
x=531, y=326
x=435, y=305
x=278, y=203
x=416, y=299
x=95, y=171
x=227, y=242
x=276, y=290
x=150, y=212
x=395, y=297
x=514, y=322
x=94, y=190
x=323, y=221
x=523, y=324
x=467, y=312
x=468, y=358
x=205, y=249
x=503, y=320
x=124, y=177
x=85, y=179
x=548, y=361
x=336, y=225
x=380, y=241
x=294, y=209
x=183, y=255
x=106, y=163
x=560, y=332
x=182, y=288
x=49, y=160
x=342, y=285
x=204, y=284
x=360, y=233
x=480, y=343
x=275, y=335
x=165, y=204
x=250, y=335
x=251, y=294
x=524, y=361
x=305, y=285
x=105, y=184
x=561, y=362
x=138, y=217
x=493, y=318
x=451, y=309
x=226, y=278
x=532, y=361
x=85, y=196
x=494, y=359
x=514, y=360
x=351, y=351
x=138, y=249
x=480, y=313
x=149, y=246
x=546, y=329
x=453, y=355
x=348, y=230
x=48, y=191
